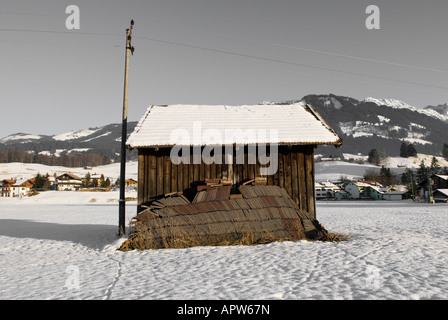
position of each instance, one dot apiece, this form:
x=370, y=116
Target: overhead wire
x=260, y=58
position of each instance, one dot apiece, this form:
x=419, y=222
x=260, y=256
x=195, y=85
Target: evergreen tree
x=422, y=172
x=41, y=182
x=445, y=151
x=435, y=167
x=105, y=183
x=404, y=150
x=87, y=180
x=407, y=176
x=374, y=157
x=408, y=179
x=411, y=151
x=386, y=177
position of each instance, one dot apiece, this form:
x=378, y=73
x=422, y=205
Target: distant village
x=434, y=191
x=64, y=182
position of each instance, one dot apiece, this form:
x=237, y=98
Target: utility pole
x=124, y=129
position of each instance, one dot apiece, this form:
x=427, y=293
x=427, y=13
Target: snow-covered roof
x=224, y=125
x=444, y=191
x=395, y=192
x=20, y=182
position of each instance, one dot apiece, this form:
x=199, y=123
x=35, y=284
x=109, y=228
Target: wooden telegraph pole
x=122, y=201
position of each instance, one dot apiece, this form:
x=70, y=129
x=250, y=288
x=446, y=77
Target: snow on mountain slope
x=397, y=104
x=20, y=136
x=74, y=134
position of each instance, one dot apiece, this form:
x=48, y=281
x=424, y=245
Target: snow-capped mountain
x=382, y=124
x=393, y=103
x=105, y=140
x=442, y=109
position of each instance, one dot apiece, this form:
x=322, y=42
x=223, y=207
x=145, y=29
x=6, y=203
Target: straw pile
x=260, y=214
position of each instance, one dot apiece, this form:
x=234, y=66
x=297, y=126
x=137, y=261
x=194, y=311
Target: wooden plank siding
x=157, y=175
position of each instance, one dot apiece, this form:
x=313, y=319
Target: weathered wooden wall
x=157, y=175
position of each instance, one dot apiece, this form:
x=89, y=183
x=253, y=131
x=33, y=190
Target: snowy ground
x=17, y=170
x=66, y=249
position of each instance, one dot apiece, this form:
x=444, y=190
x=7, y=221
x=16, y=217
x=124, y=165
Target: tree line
x=410, y=178
x=65, y=160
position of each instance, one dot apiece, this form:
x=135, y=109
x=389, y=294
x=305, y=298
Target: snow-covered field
x=64, y=247
x=332, y=170
x=17, y=170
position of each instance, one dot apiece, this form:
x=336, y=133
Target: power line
x=288, y=62
x=323, y=52
x=304, y=49
x=60, y=32
x=234, y=54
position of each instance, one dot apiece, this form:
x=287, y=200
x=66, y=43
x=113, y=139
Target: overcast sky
x=55, y=80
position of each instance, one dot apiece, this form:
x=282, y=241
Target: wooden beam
x=302, y=179
x=141, y=178
x=167, y=173
x=287, y=171
x=309, y=163
x=294, y=175
x=152, y=181
x=160, y=173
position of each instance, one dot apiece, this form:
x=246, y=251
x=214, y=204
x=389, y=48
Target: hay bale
x=263, y=214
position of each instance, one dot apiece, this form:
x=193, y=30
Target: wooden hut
x=180, y=146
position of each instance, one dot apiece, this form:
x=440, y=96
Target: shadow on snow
x=94, y=236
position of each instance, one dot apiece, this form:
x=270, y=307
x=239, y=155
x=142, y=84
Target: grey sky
x=54, y=80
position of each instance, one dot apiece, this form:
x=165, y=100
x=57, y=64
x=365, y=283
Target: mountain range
x=105, y=141
x=363, y=125
x=382, y=124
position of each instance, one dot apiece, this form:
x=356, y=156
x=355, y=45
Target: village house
x=370, y=190
x=440, y=195
x=6, y=187
x=180, y=146
x=326, y=189
x=15, y=188
x=130, y=182
x=359, y=189
x=397, y=195
x=342, y=195
x=96, y=179
x=438, y=181
x=68, y=182
x=321, y=192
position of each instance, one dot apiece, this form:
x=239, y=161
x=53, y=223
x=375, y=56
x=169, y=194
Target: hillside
x=104, y=141
x=382, y=124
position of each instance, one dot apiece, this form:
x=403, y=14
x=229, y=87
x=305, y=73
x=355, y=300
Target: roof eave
x=337, y=144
